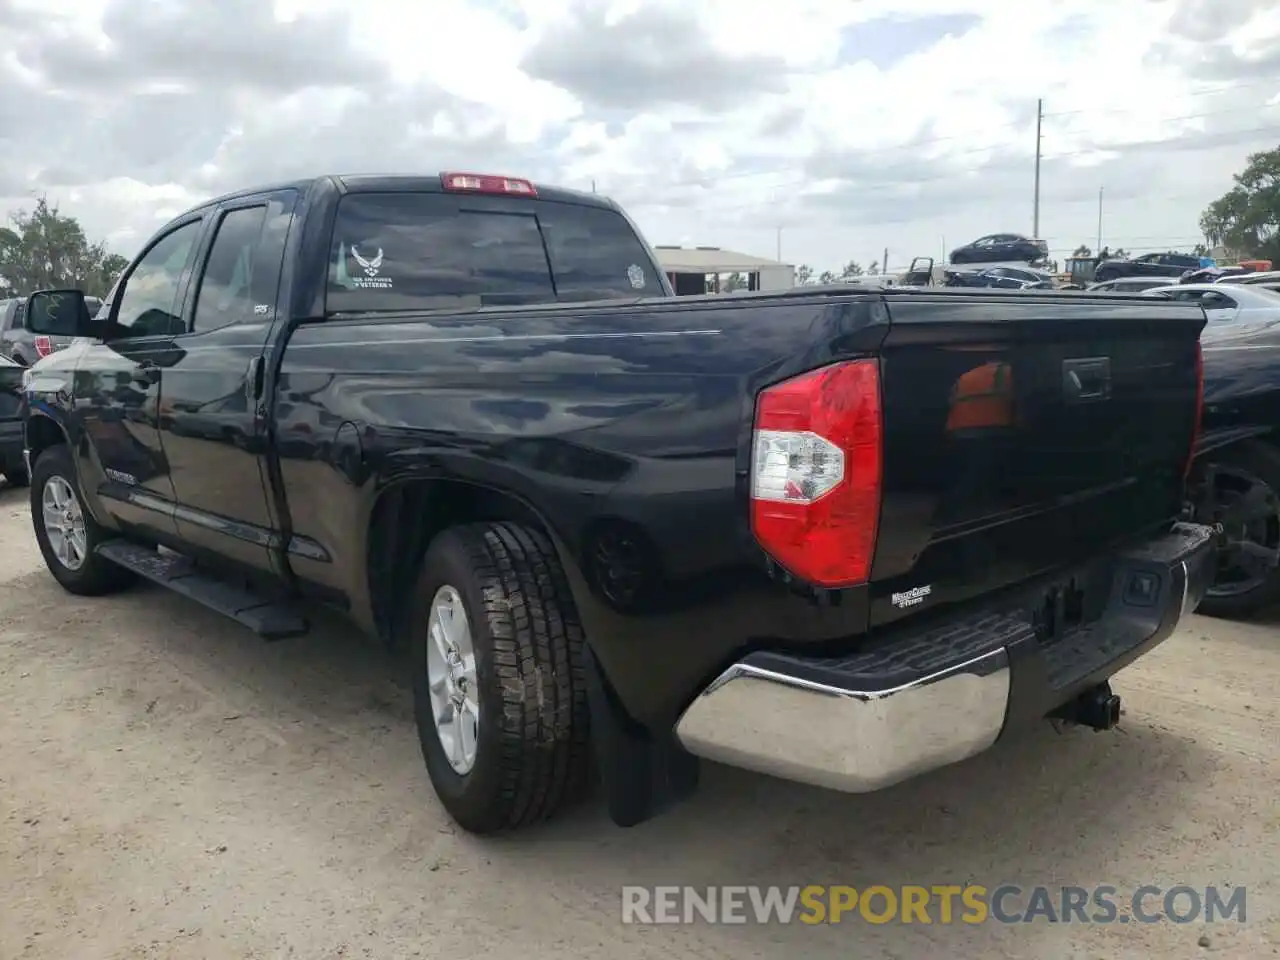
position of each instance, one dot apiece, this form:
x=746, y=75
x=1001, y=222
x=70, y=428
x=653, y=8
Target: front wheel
x=65, y=531
x=498, y=677
x=1246, y=500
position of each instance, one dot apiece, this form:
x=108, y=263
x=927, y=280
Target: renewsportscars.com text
x=936, y=904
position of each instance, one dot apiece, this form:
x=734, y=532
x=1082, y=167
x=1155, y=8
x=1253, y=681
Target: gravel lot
x=171, y=786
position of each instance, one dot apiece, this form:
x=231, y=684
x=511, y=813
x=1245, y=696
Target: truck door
x=117, y=385
x=213, y=415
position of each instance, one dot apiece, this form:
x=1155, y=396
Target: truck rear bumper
x=914, y=701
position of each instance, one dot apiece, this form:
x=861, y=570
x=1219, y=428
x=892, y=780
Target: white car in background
x=1127, y=285
x=1238, y=302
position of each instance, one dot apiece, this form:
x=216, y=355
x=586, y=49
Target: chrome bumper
x=858, y=735
x=851, y=740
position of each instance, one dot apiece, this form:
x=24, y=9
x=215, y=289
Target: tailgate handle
x=1086, y=379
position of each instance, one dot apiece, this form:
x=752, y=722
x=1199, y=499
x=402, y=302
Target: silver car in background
x=1240, y=302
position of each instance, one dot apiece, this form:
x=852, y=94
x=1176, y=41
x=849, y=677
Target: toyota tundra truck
x=837, y=535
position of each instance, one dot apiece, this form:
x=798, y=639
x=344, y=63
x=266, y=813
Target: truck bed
x=627, y=426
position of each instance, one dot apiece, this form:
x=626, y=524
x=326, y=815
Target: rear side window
x=595, y=254
x=225, y=294
x=422, y=251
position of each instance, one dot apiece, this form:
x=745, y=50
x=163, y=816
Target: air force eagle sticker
x=371, y=266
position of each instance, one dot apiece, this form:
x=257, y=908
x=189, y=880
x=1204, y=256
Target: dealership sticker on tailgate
x=909, y=598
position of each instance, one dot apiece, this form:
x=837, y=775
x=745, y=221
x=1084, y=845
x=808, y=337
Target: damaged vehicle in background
x=1001, y=278
x=1235, y=480
x=1002, y=248
x=1172, y=265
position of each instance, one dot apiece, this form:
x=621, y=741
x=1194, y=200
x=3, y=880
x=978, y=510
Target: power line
x=874, y=184
x=1021, y=125
x=956, y=174
x=1273, y=82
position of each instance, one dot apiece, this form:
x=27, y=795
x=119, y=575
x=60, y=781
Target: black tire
x=97, y=575
x=16, y=474
x=1260, y=461
x=532, y=739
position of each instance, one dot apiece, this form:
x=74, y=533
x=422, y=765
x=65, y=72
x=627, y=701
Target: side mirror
x=59, y=313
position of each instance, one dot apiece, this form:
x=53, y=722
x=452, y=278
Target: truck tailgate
x=1023, y=432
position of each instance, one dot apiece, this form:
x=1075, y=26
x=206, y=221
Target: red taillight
x=486, y=183
x=1197, y=425
x=816, y=473
x=44, y=346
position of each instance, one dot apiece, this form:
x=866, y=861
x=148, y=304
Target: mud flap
x=643, y=773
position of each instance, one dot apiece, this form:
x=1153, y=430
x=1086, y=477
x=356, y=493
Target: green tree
x=1246, y=219
x=1084, y=250
x=874, y=269
x=827, y=277
x=43, y=249
x=734, y=281
x=851, y=269
x=804, y=274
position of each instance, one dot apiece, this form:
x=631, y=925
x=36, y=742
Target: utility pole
x=779, y=256
x=593, y=185
x=884, y=261
x=1035, y=228
x=1099, y=246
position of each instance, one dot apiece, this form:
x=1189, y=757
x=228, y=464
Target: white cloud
x=851, y=125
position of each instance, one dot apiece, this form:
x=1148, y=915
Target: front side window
x=148, y=303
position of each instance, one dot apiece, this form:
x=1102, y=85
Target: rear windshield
x=422, y=251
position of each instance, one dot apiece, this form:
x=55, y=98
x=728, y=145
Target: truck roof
x=384, y=183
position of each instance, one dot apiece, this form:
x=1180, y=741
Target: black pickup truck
x=836, y=535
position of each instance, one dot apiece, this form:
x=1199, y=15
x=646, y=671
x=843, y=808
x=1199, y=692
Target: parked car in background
x=1172, y=265
x=1259, y=277
x=1127, y=285
x=1235, y=476
x=12, y=465
x=1250, y=304
x=19, y=344
x=1002, y=278
x=1001, y=247
x=1213, y=274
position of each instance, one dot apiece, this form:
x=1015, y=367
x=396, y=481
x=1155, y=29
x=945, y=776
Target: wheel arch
x=40, y=432
x=408, y=513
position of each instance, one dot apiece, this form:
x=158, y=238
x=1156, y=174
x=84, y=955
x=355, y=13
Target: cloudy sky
x=852, y=125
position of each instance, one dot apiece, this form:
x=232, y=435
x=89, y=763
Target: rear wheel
x=65, y=531
x=498, y=677
x=1246, y=501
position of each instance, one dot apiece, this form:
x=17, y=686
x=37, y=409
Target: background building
x=698, y=270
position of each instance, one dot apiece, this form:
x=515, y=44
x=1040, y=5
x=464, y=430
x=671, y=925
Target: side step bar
x=272, y=621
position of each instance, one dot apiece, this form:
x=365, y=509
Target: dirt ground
x=172, y=787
